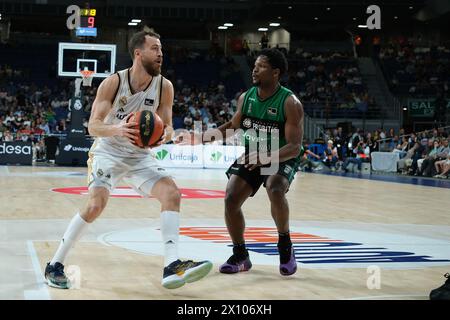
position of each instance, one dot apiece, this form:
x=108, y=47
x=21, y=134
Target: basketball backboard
x=74, y=57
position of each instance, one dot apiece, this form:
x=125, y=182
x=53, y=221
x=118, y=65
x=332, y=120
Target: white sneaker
x=179, y=272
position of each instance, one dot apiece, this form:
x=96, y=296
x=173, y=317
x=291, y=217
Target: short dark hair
x=138, y=40
x=276, y=59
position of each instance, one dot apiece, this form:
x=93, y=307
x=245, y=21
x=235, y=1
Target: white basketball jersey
x=124, y=103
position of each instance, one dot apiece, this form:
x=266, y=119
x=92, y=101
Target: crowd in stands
x=416, y=70
x=425, y=154
x=421, y=154
x=29, y=112
x=210, y=106
x=195, y=68
x=329, y=83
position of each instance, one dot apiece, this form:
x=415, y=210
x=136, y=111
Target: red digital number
x=91, y=21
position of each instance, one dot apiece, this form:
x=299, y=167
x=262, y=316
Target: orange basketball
x=150, y=126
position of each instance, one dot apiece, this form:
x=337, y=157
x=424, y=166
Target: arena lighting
x=263, y=29
x=274, y=24
x=410, y=8
x=132, y=23
x=396, y=17
x=316, y=18
x=405, y=109
x=228, y=24
x=354, y=19
x=222, y=28
x=328, y=9
x=362, y=26
x=136, y=20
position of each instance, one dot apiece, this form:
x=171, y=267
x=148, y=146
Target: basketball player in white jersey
x=113, y=157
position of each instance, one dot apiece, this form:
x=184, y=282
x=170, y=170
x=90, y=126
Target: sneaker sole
x=173, y=282
x=198, y=272
x=286, y=274
x=192, y=275
x=241, y=268
x=54, y=285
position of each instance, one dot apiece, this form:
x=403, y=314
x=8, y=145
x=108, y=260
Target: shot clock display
x=87, y=23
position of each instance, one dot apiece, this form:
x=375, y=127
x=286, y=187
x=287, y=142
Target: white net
x=87, y=77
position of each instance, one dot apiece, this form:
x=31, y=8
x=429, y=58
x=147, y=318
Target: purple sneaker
x=233, y=265
x=289, y=268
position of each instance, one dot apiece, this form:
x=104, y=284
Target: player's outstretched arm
x=102, y=106
x=218, y=134
x=228, y=129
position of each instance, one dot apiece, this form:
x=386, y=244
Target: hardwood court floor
x=401, y=229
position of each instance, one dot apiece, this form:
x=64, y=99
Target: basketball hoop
x=87, y=76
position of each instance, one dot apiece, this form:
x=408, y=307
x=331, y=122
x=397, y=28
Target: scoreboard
x=87, y=23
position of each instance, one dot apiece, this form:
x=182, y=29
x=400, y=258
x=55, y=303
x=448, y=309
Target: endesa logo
x=315, y=247
x=14, y=149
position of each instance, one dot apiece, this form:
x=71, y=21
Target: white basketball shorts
x=107, y=170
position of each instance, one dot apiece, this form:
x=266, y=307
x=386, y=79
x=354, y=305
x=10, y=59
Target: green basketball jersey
x=263, y=121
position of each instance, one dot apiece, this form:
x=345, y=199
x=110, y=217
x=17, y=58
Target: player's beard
x=256, y=82
x=152, y=69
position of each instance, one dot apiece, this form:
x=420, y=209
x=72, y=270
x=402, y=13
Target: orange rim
x=86, y=73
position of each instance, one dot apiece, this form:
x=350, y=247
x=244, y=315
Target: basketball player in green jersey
x=263, y=110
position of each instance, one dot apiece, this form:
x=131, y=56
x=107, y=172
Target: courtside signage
x=16, y=152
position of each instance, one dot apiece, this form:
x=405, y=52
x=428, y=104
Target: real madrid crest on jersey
x=123, y=101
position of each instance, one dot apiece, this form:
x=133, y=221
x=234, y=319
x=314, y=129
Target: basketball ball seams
x=146, y=126
x=150, y=127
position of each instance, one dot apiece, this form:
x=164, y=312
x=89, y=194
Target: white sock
x=170, y=225
x=72, y=234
